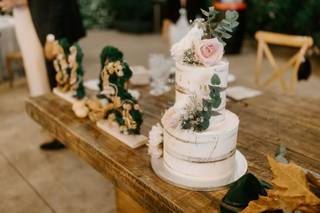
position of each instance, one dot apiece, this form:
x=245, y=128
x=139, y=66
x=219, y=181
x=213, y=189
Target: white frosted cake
x=196, y=140
x=209, y=154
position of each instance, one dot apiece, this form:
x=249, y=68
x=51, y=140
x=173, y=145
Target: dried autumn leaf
x=309, y=209
x=290, y=191
x=290, y=180
x=262, y=204
x=273, y=202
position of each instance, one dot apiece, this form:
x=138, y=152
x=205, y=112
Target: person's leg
x=38, y=72
x=32, y=52
x=54, y=144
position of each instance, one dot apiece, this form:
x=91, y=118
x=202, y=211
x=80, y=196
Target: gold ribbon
x=199, y=160
x=185, y=91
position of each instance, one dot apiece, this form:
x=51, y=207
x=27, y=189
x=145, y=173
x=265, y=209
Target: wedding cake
x=197, y=138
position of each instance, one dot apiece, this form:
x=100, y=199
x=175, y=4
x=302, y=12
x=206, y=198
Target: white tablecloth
x=8, y=42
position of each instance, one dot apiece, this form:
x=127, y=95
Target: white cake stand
x=197, y=184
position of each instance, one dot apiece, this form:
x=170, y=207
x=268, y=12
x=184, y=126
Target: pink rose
x=209, y=51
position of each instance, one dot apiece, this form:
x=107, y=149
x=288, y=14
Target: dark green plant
x=81, y=92
x=133, y=16
x=112, y=54
x=290, y=16
x=132, y=10
x=97, y=13
x=308, y=20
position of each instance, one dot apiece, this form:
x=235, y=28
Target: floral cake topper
x=204, y=43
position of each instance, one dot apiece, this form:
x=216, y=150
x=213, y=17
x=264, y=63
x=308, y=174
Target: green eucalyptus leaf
x=216, y=101
x=222, y=42
x=207, y=104
x=234, y=24
x=232, y=15
x=205, y=13
x=226, y=35
x=205, y=124
x=215, y=80
x=228, y=29
x=214, y=94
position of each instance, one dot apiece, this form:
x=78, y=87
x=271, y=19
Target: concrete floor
x=34, y=181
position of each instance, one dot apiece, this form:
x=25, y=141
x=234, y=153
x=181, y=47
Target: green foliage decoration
x=80, y=90
x=112, y=55
x=97, y=13
x=290, y=17
x=199, y=119
x=220, y=25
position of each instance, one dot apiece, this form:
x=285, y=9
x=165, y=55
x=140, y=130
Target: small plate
x=197, y=184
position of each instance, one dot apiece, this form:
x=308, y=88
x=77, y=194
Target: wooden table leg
x=125, y=204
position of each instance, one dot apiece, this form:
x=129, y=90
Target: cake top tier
x=203, y=45
x=201, y=75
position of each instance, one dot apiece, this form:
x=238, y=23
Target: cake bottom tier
x=208, y=155
x=219, y=170
x=199, y=184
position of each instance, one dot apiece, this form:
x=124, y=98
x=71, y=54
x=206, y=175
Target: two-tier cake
x=195, y=144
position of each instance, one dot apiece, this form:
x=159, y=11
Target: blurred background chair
x=10, y=59
x=303, y=43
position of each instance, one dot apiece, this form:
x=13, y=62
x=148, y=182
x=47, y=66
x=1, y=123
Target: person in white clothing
x=30, y=46
x=35, y=19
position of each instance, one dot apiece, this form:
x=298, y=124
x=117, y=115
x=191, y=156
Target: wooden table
x=265, y=122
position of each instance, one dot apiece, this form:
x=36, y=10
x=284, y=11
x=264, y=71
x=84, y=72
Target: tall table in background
x=265, y=122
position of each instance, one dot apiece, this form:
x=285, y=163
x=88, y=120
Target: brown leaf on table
x=313, y=180
x=273, y=202
x=290, y=180
x=309, y=209
x=290, y=191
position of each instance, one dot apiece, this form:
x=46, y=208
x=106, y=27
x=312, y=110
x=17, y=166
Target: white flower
x=155, y=135
x=155, y=141
x=178, y=49
x=155, y=151
x=173, y=118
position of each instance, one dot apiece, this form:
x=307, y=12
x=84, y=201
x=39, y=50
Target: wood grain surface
x=265, y=122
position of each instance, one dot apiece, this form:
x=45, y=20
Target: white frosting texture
x=208, y=154
x=194, y=81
